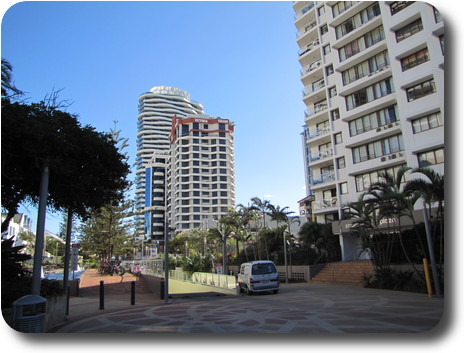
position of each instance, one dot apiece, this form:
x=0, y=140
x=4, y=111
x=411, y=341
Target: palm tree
x=8, y=88
x=262, y=206
x=395, y=201
x=363, y=213
x=223, y=232
x=432, y=190
x=247, y=217
x=281, y=215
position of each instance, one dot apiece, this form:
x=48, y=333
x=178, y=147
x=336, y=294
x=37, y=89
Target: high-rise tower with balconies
x=156, y=110
x=201, y=177
x=373, y=77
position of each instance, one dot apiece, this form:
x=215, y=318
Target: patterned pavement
x=298, y=308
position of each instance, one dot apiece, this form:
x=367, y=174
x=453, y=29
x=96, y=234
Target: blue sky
x=238, y=59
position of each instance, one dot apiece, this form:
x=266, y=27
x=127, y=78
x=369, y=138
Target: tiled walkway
x=298, y=308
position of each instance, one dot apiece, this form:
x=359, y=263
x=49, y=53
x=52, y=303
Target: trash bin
x=29, y=314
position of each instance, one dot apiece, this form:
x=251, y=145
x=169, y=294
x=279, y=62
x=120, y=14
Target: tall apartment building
x=201, y=179
x=156, y=110
x=373, y=77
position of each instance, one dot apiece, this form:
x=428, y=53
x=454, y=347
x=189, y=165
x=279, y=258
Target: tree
x=87, y=170
x=107, y=233
x=430, y=185
x=365, y=224
x=8, y=88
x=248, y=216
x=395, y=201
x=263, y=206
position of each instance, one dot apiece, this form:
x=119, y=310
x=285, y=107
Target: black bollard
x=102, y=296
x=132, y=293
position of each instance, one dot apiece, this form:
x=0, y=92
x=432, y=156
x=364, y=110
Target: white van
x=258, y=276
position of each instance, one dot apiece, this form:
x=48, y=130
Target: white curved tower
x=156, y=110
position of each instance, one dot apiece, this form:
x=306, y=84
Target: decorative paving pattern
x=303, y=308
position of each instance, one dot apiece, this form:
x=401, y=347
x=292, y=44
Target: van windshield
x=263, y=269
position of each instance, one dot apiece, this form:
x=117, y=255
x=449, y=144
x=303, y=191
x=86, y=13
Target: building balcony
x=325, y=205
x=325, y=178
x=316, y=86
x=304, y=10
x=312, y=134
x=306, y=29
x=321, y=155
x=310, y=46
x=316, y=110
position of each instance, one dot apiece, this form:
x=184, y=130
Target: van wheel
x=275, y=291
x=248, y=291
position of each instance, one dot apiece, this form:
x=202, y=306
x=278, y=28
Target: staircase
x=344, y=273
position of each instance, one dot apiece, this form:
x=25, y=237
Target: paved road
x=298, y=308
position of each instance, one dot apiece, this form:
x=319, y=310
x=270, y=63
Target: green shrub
x=388, y=278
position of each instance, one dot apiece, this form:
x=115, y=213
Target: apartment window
x=324, y=29
x=421, y=90
x=332, y=91
x=341, y=163
x=431, y=157
x=442, y=44
x=378, y=149
x=326, y=49
x=369, y=94
x=364, y=181
x=409, y=30
x=437, y=14
x=341, y=7
x=329, y=70
x=362, y=43
x=321, y=10
x=425, y=123
x=415, y=59
x=373, y=120
x=365, y=68
x=338, y=138
x=397, y=6
x=335, y=114
x=357, y=20
x=343, y=188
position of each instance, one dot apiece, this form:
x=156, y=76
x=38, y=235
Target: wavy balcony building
x=155, y=112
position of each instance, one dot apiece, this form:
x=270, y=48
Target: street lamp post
x=285, y=258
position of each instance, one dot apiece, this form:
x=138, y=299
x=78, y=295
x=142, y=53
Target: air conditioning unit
x=383, y=159
x=379, y=129
x=393, y=156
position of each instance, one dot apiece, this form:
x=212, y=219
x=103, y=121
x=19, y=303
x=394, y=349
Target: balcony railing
x=322, y=154
x=316, y=86
x=315, y=133
x=306, y=29
x=317, y=109
x=313, y=66
x=325, y=203
x=304, y=10
x=309, y=47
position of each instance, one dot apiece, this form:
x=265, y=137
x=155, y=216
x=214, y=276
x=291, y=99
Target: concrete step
x=343, y=273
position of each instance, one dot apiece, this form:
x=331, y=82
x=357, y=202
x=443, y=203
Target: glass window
x=409, y=30
x=343, y=188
